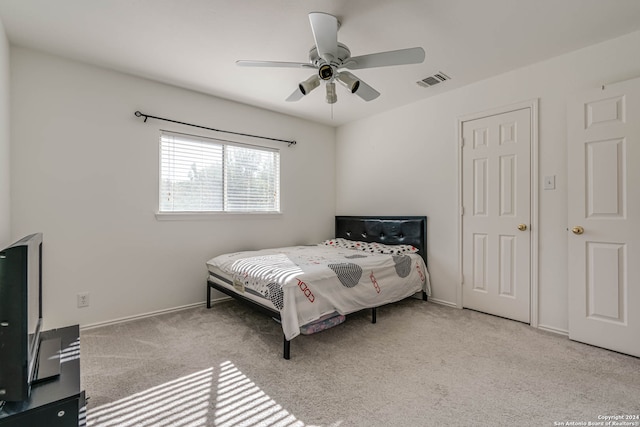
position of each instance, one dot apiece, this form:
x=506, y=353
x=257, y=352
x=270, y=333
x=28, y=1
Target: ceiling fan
x=331, y=58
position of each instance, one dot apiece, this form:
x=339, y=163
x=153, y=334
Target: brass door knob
x=577, y=230
x=522, y=227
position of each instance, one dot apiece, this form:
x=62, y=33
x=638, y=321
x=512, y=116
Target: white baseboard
x=442, y=302
x=150, y=314
x=541, y=327
x=197, y=304
x=553, y=329
x=227, y=298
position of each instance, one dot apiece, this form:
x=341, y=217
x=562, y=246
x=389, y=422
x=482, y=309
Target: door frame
x=532, y=105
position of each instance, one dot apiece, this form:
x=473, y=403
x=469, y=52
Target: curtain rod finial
x=139, y=114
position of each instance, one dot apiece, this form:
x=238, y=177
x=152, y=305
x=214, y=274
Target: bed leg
x=208, y=295
x=373, y=315
x=424, y=296
x=287, y=349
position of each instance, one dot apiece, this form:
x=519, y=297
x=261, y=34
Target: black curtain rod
x=147, y=116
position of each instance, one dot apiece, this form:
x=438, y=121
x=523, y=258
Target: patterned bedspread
x=308, y=282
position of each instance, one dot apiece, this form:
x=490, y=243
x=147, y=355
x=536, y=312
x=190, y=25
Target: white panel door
x=604, y=217
x=496, y=199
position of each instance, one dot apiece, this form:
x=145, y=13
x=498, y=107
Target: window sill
x=206, y=216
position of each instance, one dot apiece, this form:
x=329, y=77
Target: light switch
x=550, y=182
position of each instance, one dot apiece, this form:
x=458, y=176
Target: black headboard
x=390, y=230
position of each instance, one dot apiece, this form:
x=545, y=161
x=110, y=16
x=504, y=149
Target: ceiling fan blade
x=414, y=55
x=325, y=34
x=366, y=92
x=295, y=96
x=274, y=64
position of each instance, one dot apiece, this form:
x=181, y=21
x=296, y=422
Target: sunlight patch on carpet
x=241, y=403
x=180, y=403
x=187, y=402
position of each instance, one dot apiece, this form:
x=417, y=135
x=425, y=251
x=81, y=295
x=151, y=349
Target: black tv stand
x=55, y=400
x=48, y=362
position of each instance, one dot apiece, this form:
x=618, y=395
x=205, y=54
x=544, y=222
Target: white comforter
x=307, y=282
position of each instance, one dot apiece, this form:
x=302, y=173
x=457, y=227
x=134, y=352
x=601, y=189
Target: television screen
x=34, y=291
x=20, y=315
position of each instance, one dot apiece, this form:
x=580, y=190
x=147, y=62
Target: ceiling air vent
x=433, y=80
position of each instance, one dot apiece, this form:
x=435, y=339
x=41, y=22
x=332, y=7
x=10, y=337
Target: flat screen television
x=20, y=316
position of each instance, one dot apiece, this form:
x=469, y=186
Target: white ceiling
x=194, y=43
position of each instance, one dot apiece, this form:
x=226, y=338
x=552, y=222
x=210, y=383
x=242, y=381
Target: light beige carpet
x=422, y=364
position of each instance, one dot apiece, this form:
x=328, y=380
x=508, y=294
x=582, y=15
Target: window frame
x=212, y=214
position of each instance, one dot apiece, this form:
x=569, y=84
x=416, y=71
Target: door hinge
x=461, y=142
x=461, y=210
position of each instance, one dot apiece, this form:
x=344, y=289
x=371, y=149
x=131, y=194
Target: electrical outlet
x=83, y=299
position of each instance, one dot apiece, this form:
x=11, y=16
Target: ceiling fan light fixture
x=332, y=97
x=310, y=84
x=349, y=81
x=325, y=72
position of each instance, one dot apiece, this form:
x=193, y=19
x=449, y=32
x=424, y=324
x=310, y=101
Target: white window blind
x=199, y=174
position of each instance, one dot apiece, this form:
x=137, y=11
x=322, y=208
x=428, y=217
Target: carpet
x=421, y=364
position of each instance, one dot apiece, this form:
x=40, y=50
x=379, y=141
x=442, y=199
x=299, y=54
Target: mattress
x=305, y=283
x=225, y=280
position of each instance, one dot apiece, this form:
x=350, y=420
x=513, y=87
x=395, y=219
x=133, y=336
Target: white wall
x=85, y=173
x=405, y=161
x=5, y=208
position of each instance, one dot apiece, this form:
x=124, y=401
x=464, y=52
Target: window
x=199, y=174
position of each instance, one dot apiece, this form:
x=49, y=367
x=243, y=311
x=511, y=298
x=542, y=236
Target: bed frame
x=390, y=230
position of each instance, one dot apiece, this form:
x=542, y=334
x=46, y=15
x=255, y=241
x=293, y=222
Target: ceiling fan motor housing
x=343, y=55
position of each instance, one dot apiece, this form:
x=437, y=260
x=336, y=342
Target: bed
x=371, y=261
